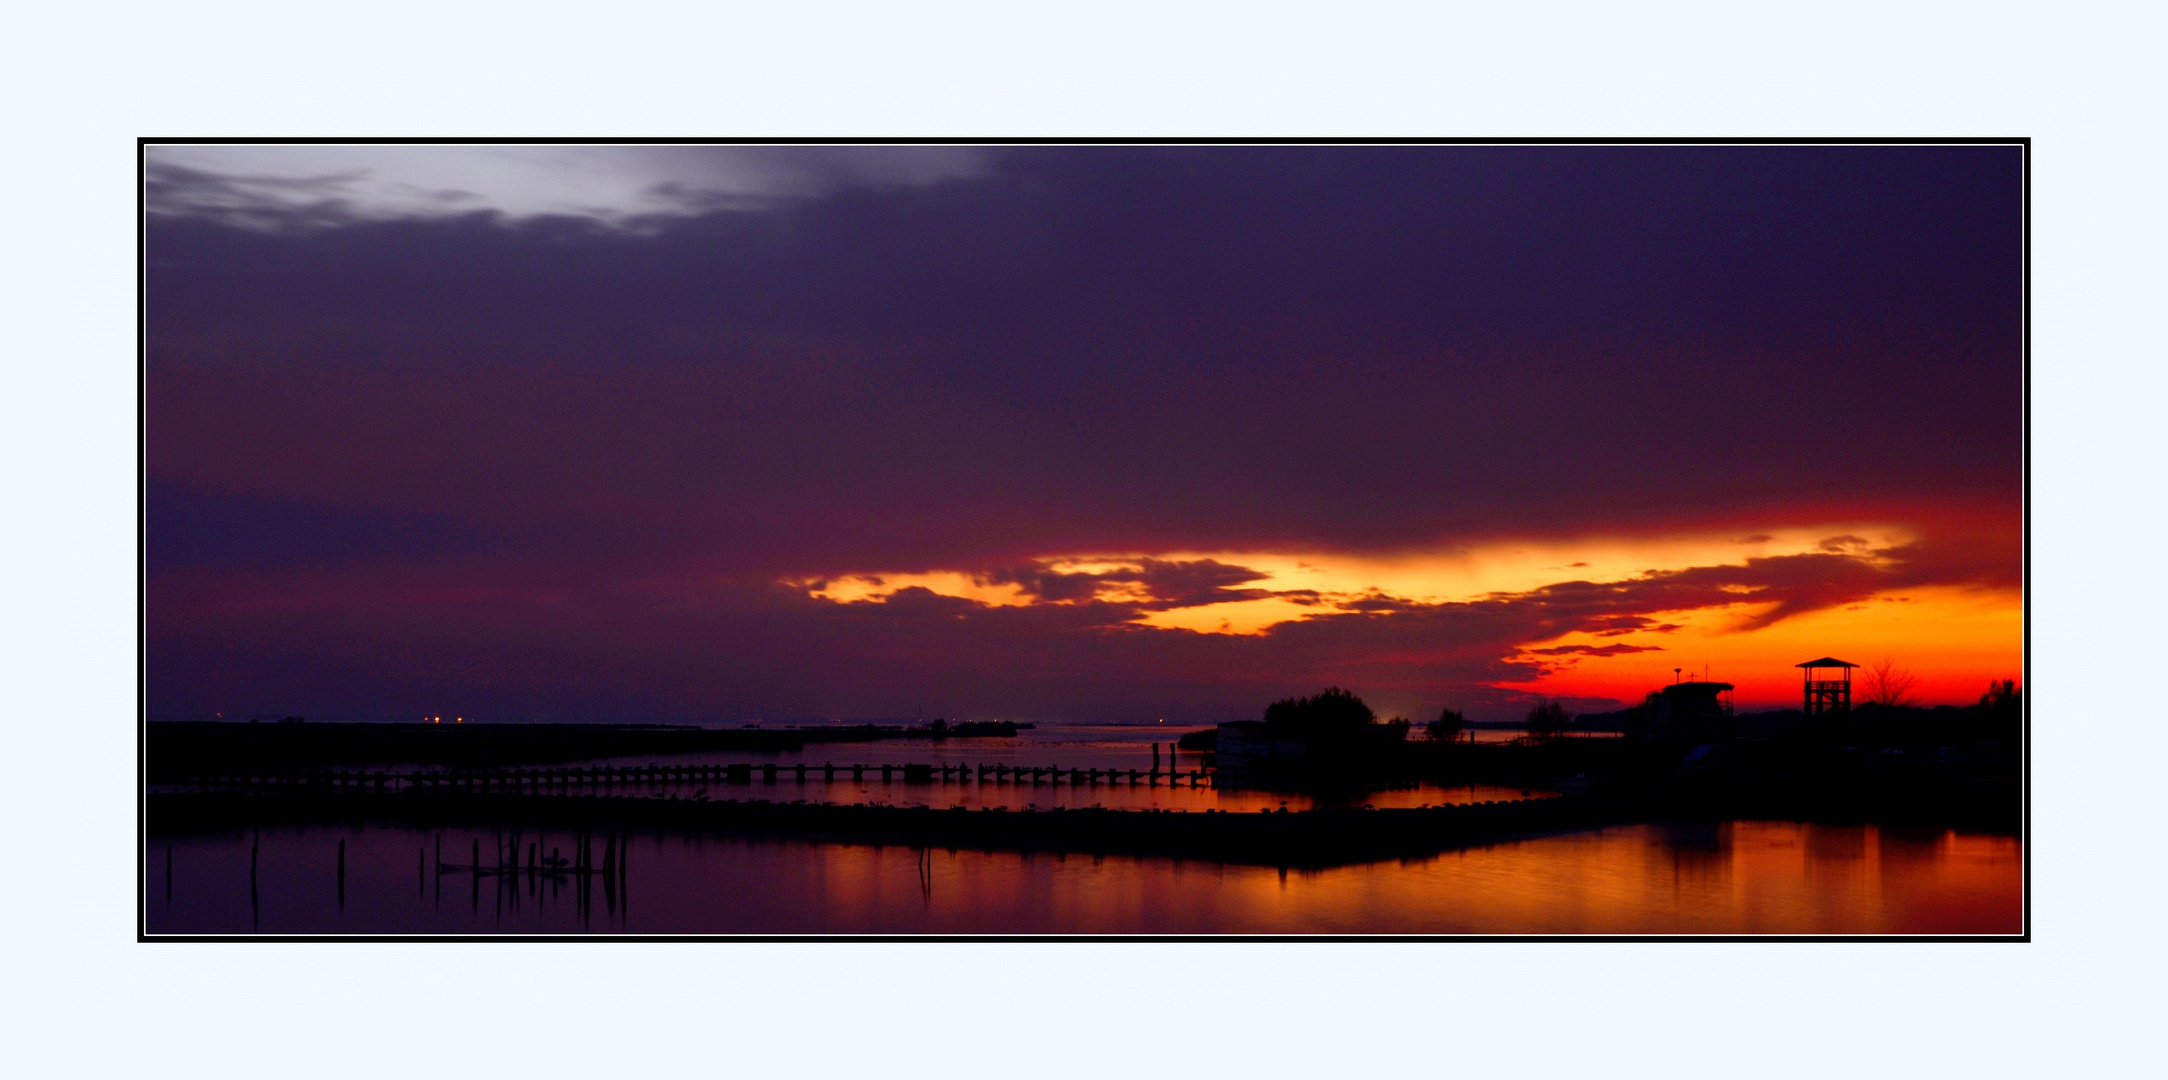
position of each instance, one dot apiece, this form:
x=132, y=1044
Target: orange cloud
x=1599, y=619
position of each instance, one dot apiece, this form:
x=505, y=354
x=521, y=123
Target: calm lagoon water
x=1737, y=877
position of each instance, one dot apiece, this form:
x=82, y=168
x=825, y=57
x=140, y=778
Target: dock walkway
x=570, y=780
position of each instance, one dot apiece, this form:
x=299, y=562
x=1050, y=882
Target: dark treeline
x=1334, y=719
x=1874, y=762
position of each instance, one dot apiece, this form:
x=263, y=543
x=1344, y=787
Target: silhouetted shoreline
x=1324, y=837
x=1318, y=837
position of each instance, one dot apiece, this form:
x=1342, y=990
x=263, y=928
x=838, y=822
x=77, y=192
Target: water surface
x=1743, y=877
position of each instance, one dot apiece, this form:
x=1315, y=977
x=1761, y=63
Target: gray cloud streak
x=285, y=187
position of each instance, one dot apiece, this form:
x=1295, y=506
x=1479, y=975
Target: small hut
x=1830, y=694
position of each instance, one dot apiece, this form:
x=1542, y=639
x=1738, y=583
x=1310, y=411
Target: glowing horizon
x=1953, y=639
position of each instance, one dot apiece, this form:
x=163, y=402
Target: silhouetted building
x=1828, y=695
x=1687, y=710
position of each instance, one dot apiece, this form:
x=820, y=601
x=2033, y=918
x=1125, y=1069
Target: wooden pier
x=606, y=777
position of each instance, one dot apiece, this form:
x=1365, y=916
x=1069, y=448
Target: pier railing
x=613, y=777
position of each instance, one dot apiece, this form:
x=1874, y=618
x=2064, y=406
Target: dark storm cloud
x=1139, y=350
x=546, y=430
x=1782, y=586
x=1620, y=625
x=1166, y=584
x=1594, y=650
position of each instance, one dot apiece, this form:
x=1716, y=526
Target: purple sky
x=578, y=432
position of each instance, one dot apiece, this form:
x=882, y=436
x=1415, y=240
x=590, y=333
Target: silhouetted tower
x=1828, y=695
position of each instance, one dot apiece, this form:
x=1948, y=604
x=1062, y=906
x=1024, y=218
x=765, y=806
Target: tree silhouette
x=1888, y=685
x=1446, y=728
x=1546, y=721
x=2003, y=695
x=2002, y=711
x=1331, y=714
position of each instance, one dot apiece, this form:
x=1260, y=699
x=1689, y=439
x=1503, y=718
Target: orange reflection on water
x=1733, y=878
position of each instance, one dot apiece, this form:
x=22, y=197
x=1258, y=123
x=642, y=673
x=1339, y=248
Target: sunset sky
x=1090, y=434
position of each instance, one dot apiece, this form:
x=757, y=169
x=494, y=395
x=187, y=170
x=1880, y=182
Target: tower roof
x=1827, y=661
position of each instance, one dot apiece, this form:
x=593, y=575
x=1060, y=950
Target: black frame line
x=143, y=936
